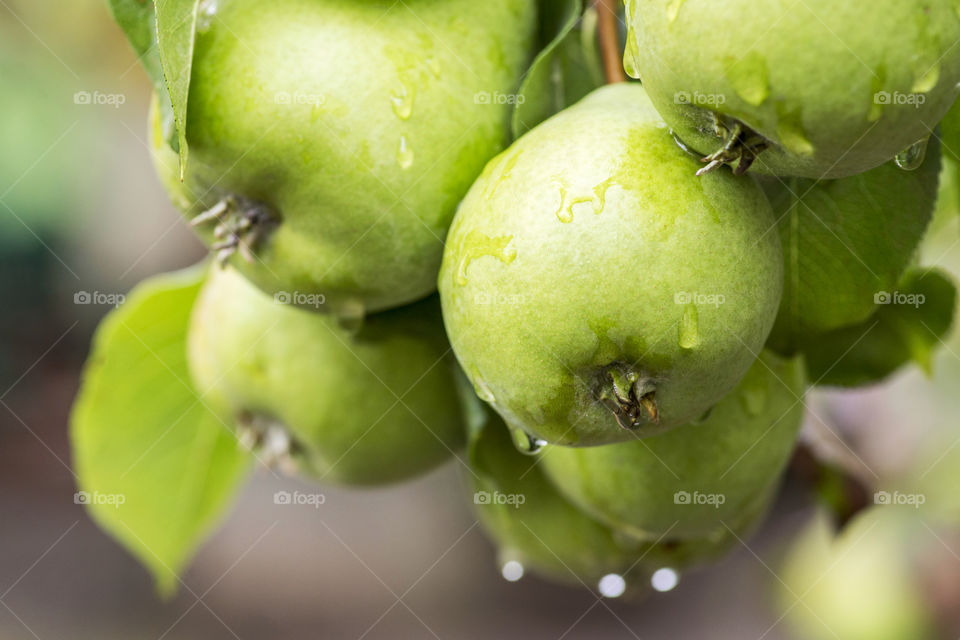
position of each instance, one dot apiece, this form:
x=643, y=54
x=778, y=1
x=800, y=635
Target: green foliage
x=156, y=468
x=176, y=35
x=138, y=19
x=907, y=325
x=844, y=240
x=565, y=70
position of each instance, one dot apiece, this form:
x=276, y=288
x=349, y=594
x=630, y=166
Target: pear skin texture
x=650, y=487
x=370, y=407
x=837, y=88
x=359, y=125
x=590, y=243
x=548, y=535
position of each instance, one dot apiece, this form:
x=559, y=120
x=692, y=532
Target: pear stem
x=610, y=40
x=630, y=396
x=240, y=225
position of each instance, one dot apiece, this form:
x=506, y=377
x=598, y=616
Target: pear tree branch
x=610, y=40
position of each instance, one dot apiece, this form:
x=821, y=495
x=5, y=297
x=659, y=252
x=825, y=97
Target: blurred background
x=83, y=219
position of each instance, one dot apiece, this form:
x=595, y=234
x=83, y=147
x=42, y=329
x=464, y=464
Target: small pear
x=699, y=480
x=363, y=405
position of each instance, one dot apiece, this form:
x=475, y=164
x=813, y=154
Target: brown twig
x=610, y=40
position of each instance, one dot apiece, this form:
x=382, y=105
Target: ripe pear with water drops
x=815, y=89
x=594, y=289
x=331, y=140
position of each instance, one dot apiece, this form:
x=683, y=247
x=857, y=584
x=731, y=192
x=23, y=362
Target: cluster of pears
x=633, y=321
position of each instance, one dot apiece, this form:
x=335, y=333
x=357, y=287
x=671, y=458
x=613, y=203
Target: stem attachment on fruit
x=240, y=225
x=609, y=37
x=630, y=396
x=741, y=145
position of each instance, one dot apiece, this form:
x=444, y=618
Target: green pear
x=594, y=289
x=364, y=407
x=534, y=526
x=815, y=89
x=847, y=241
x=698, y=480
x=858, y=585
x=331, y=140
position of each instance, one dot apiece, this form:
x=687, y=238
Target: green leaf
x=908, y=326
x=176, y=36
x=567, y=68
x=138, y=20
x=844, y=240
x=143, y=437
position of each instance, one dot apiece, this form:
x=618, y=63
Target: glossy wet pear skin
x=366, y=407
x=591, y=241
x=358, y=125
x=551, y=537
x=739, y=452
x=834, y=85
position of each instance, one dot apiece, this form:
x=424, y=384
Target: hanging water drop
x=913, y=156
x=402, y=100
x=664, y=579
x=927, y=79
x=750, y=78
x=631, y=58
x=689, y=333
x=526, y=443
x=483, y=392
x=681, y=143
x=564, y=213
x=673, y=10
x=206, y=12
x=404, y=154
x=612, y=586
x=351, y=315
x=479, y=245
x=511, y=570
x=754, y=396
